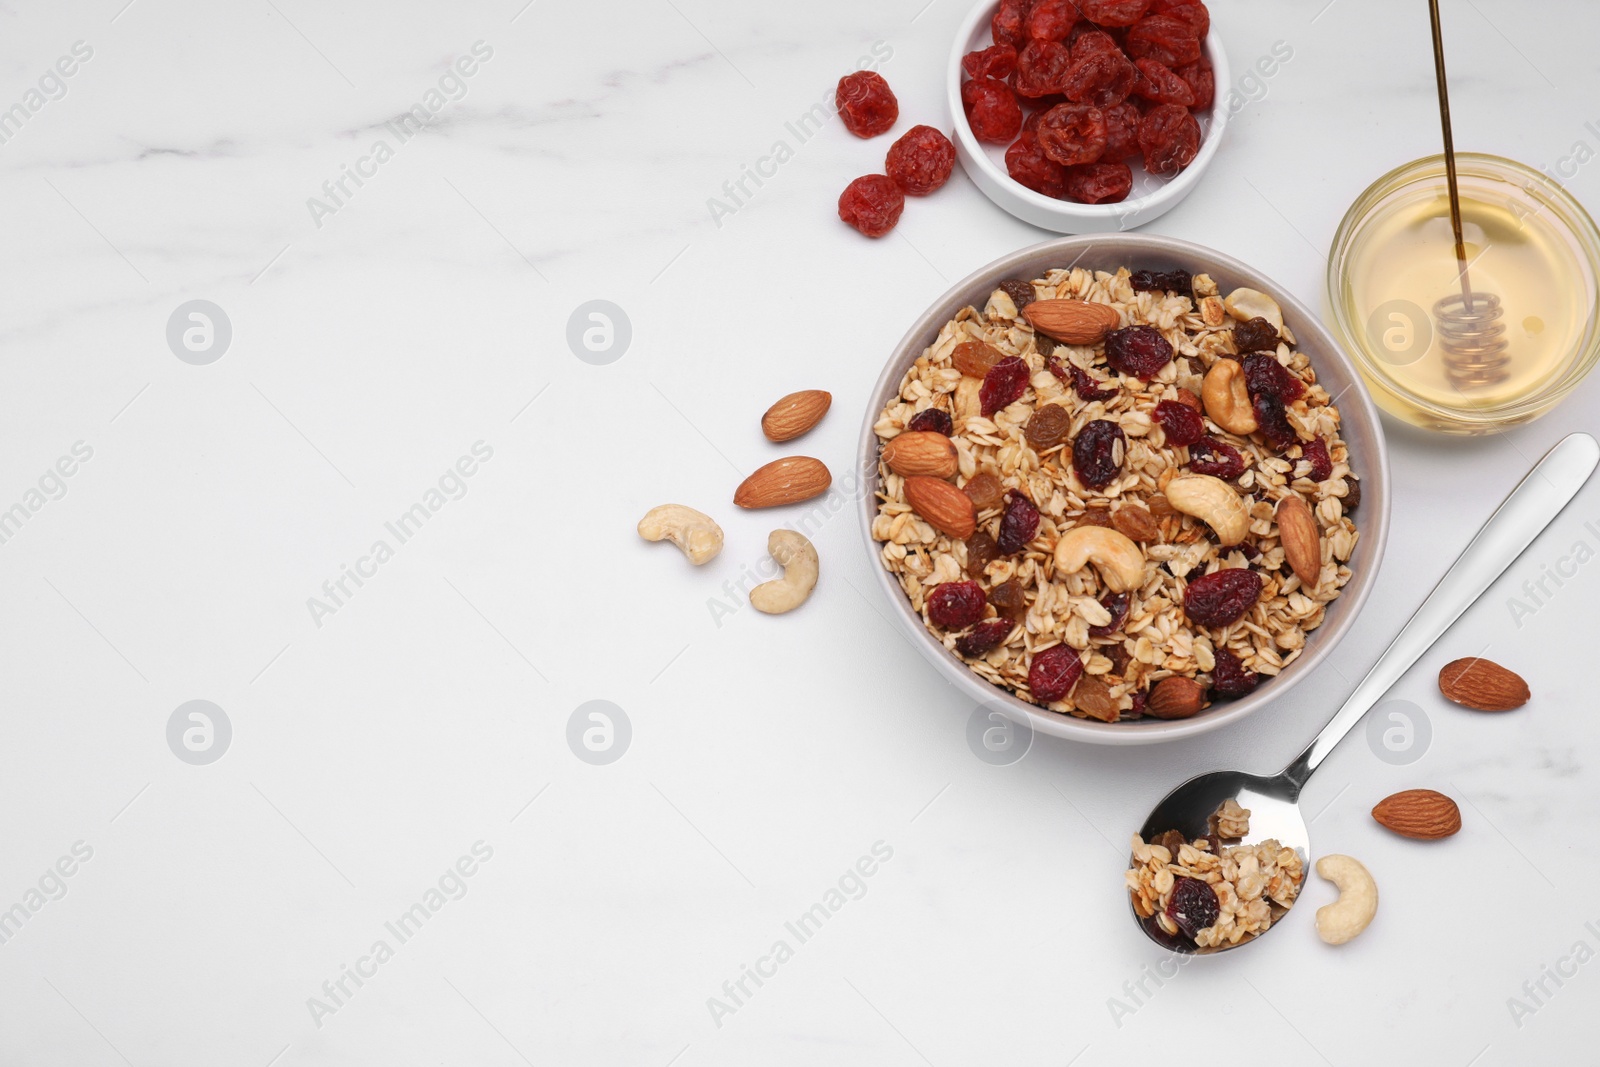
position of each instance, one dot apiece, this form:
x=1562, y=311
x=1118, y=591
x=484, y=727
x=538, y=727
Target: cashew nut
x=694, y=532
x=1357, y=904
x=1118, y=559
x=1212, y=501
x=1227, y=400
x=799, y=562
x=1247, y=304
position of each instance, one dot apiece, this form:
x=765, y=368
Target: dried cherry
x=1099, y=183
x=1160, y=85
x=1008, y=600
x=956, y=605
x=1020, y=292
x=1184, y=425
x=1220, y=598
x=1315, y=452
x=1216, y=458
x=1138, y=350
x=985, y=637
x=1050, y=20
x=1018, y=523
x=1169, y=137
x=1028, y=165
x=1048, y=427
x=1114, y=12
x=1193, y=906
x=1164, y=39
x=872, y=204
x=1162, y=281
x=992, y=110
x=1087, y=387
x=1103, y=79
x=921, y=160
x=931, y=419
x=1202, y=82
x=1003, y=385
x=1053, y=672
x=980, y=553
x=1117, y=605
x=1192, y=14
x=1042, y=68
x=1122, y=131
x=866, y=103
x=984, y=490
x=1072, y=134
x=1086, y=40
x=1229, y=678
x=1007, y=25
x=1097, y=453
x=996, y=61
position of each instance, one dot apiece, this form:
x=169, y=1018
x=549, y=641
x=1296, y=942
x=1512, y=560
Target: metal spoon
x=1273, y=801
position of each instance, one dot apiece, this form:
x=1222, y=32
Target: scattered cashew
x=1357, y=904
x=694, y=532
x=1227, y=400
x=1212, y=501
x=1247, y=304
x=1118, y=559
x=798, y=559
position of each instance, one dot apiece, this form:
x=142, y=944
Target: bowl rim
x=1132, y=211
x=1356, y=410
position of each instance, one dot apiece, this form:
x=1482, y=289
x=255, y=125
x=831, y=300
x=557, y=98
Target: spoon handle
x=1531, y=507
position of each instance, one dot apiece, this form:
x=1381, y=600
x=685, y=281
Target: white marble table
x=392, y=735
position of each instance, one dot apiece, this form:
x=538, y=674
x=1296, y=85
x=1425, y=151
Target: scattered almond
x=1073, y=322
x=1419, y=813
x=1175, y=697
x=942, y=506
x=1302, y=542
x=1482, y=684
x=783, y=481
x=795, y=414
x=922, y=452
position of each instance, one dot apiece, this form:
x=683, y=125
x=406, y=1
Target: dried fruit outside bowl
x=1151, y=197
x=1360, y=428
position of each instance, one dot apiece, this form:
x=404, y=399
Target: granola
x=1121, y=658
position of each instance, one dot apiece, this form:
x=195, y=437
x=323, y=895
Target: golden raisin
x=1093, y=517
x=981, y=549
x=1093, y=698
x=1136, y=523
x=975, y=359
x=985, y=491
x=1048, y=427
x=1008, y=600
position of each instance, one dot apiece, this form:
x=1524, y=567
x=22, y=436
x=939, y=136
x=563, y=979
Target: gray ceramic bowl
x=1361, y=431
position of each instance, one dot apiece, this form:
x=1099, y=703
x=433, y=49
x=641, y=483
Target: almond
x=1302, y=543
x=921, y=452
x=942, y=506
x=795, y=414
x=1073, y=322
x=1419, y=813
x=783, y=481
x=1175, y=697
x=1482, y=684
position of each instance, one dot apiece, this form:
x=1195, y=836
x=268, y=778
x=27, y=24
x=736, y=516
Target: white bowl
x=1151, y=197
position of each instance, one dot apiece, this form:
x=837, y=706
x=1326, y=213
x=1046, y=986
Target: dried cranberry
x=1160, y=85
x=1042, y=68
x=1169, y=137
x=1315, y=452
x=1165, y=39
x=985, y=637
x=1139, y=700
x=1072, y=134
x=1221, y=598
x=1216, y=458
x=1159, y=281
x=1050, y=20
x=1192, y=14
x=1020, y=292
x=1091, y=41
x=1099, y=183
x=921, y=160
x=1202, y=82
x=1272, y=388
x=1229, y=678
x=1138, y=350
x=980, y=553
x=1184, y=425
x=1117, y=605
x=1007, y=24
x=1193, y=906
x=1122, y=132
x=1089, y=388
x=1003, y=385
x=1097, y=453
x=866, y=103
x=931, y=419
x=956, y=605
x=1053, y=672
x=1272, y=418
x=872, y=204
x=1103, y=79
x=1257, y=335
x=1008, y=600
x=1114, y=12
x=996, y=61
x=992, y=110
x=1018, y=523
x=1028, y=165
